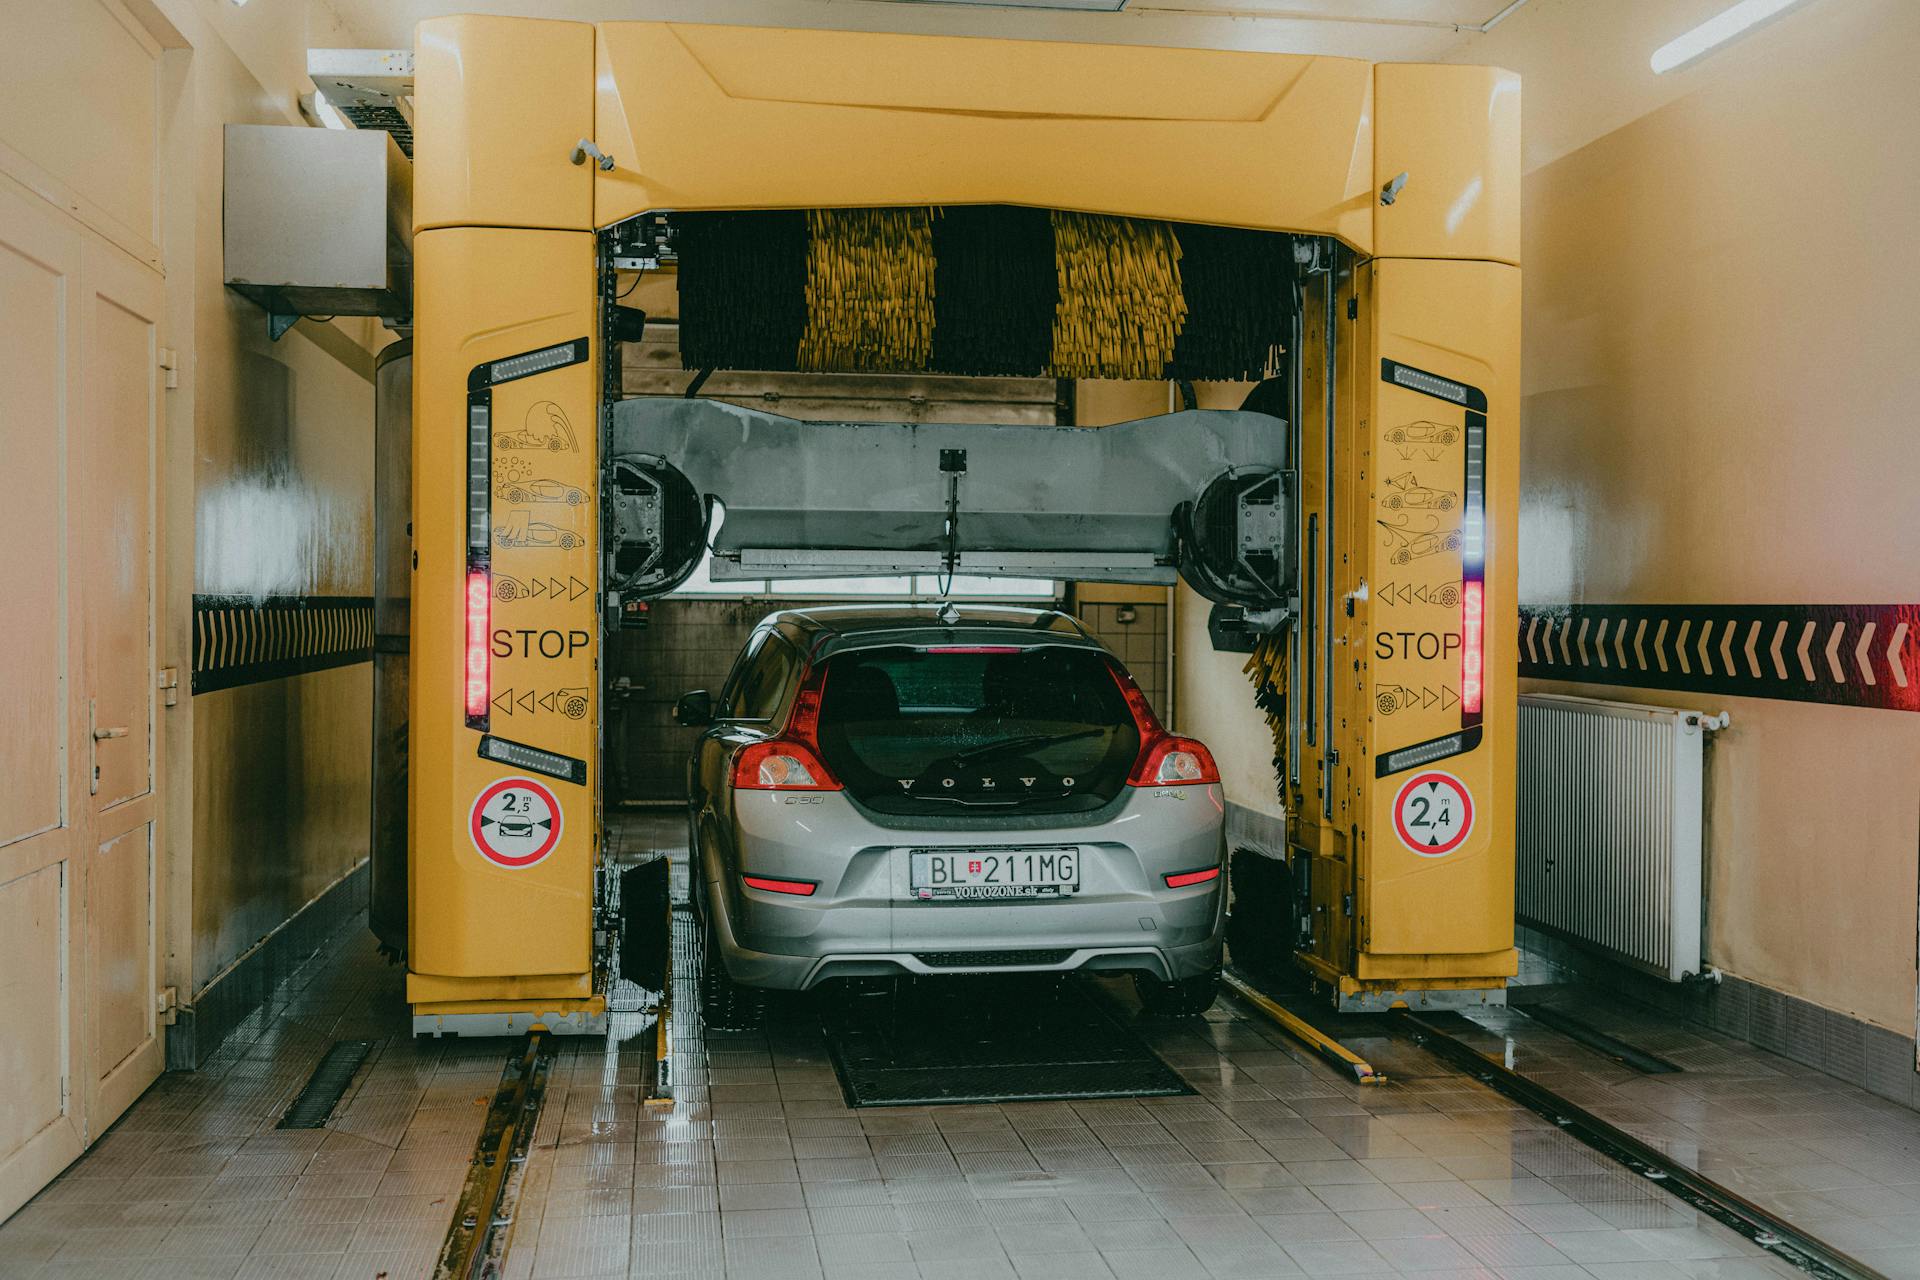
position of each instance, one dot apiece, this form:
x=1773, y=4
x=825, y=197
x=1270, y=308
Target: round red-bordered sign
x=1433, y=813
x=516, y=822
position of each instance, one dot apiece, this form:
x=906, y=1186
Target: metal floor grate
x=999, y=1039
x=326, y=1086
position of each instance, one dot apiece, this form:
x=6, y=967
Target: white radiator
x=1609, y=829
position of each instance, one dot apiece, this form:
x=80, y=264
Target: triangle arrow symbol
x=575, y=588
x=525, y=700
x=504, y=701
x=1448, y=698
x=556, y=588
x=536, y=589
x=1427, y=699
x=546, y=701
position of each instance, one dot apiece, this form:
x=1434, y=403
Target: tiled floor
x=1278, y=1168
x=195, y=1181
x=758, y=1168
x=1817, y=1151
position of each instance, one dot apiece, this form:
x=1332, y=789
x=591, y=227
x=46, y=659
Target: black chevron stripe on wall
x=1860, y=655
x=240, y=640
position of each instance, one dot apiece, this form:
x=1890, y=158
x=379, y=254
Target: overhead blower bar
x=1194, y=495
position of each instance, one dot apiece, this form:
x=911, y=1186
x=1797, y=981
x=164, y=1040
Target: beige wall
x=274, y=443
x=1719, y=386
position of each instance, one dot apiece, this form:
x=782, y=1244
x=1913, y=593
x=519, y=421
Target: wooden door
x=116, y=500
x=43, y=803
x=79, y=851
x=80, y=768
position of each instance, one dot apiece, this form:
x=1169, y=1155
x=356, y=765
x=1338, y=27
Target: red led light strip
x=479, y=664
x=1472, y=646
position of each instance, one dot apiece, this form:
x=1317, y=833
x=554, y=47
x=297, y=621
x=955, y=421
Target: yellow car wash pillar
x=504, y=737
x=1410, y=470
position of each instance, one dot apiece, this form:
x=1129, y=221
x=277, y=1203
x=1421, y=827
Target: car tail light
x=798, y=888
x=479, y=666
x=1164, y=760
x=1181, y=879
x=790, y=762
x=1472, y=647
x=780, y=766
x=1174, y=762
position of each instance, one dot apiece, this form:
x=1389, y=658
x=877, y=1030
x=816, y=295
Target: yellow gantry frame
x=715, y=117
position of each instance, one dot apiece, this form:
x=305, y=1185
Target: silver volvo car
x=888, y=790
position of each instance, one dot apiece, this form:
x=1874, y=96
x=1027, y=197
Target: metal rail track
x=1343, y=1059
x=476, y=1242
x=1774, y=1234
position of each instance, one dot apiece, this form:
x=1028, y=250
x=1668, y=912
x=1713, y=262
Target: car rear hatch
x=976, y=729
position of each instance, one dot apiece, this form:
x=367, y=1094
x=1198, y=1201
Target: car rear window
x=976, y=728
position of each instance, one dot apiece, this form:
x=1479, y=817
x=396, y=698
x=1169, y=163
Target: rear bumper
x=864, y=920
x=801, y=973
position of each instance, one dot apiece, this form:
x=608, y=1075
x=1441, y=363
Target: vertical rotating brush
x=1267, y=667
x=1239, y=292
x=742, y=288
x=995, y=291
x=1121, y=307
x=986, y=290
x=869, y=291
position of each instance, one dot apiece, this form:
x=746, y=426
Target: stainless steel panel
x=318, y=219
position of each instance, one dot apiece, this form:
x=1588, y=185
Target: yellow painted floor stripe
x=1319, y=1041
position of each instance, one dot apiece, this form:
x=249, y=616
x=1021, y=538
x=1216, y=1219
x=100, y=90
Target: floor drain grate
x=977, y=1039
x=326, y=1085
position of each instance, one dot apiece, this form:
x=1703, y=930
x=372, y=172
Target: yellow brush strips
x=1121, y=305
x=869, y=290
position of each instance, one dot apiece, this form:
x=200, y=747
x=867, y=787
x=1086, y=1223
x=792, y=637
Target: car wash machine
x=1340, y=237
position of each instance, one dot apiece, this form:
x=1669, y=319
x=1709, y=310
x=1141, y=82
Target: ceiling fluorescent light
x=1716, y=31
x=1072, y=6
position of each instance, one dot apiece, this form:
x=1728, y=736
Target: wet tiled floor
x=196, y=1181
x=1818, y=1151
x=758, y=1168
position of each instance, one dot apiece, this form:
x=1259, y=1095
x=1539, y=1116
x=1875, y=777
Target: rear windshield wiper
x=1008, y=745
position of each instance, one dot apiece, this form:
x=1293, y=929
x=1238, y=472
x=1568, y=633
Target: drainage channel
x=1607, y=1046
x=1775, y=1235
x=976, y=1038
x=476, y=1242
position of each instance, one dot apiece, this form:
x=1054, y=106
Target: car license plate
x=995, y=873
